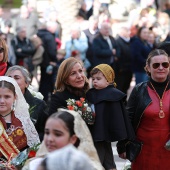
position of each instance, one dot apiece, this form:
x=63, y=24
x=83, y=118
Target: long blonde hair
x=64, y=72
x=5, y=53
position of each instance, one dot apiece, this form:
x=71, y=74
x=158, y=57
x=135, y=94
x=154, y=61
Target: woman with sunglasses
x=4, y=65
x=148, y=108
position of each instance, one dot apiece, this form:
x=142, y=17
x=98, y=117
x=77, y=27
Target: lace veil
x=86, y=143
x=21, y=112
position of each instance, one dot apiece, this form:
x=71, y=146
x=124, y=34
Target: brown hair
x=140, y=29
x=10, y=86
x=68, y=119
x=152, y=54
x=63, y=74
x=94, y=71
x=4, y=46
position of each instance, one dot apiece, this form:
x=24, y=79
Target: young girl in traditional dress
x=17, y=131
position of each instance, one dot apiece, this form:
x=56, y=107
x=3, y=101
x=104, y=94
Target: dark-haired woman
x=139, y=51
x=63, y=128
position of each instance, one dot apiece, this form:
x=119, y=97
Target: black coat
x=89, y=52
x=8, y=66
x=138, y=102
x=125, y=58
x=139, y=52
x=58, y=100
x=27, y=48
x=38, y=112
x=101, y=50
x=49, y=45
x=111, y=123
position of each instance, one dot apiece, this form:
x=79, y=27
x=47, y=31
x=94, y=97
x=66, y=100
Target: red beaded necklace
x=161, y=112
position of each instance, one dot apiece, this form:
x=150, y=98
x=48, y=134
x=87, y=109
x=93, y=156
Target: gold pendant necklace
x=161, y=112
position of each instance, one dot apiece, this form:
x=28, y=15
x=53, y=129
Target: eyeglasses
x=1, y=50
x=157, y=65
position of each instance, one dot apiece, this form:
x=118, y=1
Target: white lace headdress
x=86, y=143
x=21, y=112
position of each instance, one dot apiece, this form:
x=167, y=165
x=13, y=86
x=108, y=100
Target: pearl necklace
x=161, y=112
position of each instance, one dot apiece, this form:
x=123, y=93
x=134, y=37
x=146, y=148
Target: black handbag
x=133, y=148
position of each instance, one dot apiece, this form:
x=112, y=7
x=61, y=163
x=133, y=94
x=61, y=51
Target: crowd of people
x=84, y=83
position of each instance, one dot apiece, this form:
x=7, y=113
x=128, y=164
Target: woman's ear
x=73, y=139
x=66, y=82
x=148, y=68
x=27, y=84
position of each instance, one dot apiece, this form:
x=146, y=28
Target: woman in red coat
x=149, y=110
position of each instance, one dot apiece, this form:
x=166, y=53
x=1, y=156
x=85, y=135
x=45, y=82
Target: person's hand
x=122, y=155
x=19, y=49
x=49, y=69
x=53, y=63
x=167, y=145
x=116, y=58
x=114, y=52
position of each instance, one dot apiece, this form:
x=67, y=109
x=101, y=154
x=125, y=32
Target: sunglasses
x=157, y=65
x=1, y=50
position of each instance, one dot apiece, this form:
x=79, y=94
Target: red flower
x=84, y=109
x=74, y=53
x=78, y=103
x=31, y=154
x=82, y=99
x=70, y=107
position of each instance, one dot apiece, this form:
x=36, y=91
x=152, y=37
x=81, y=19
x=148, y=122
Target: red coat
x=154, y=132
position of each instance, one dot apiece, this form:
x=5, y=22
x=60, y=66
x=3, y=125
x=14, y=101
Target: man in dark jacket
x=23, y=49
x=46, y=33
x=91, y=32
x=124, y=72
x=105, y=49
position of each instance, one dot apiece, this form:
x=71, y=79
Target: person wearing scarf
x=17, y=131
x=4, y=65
